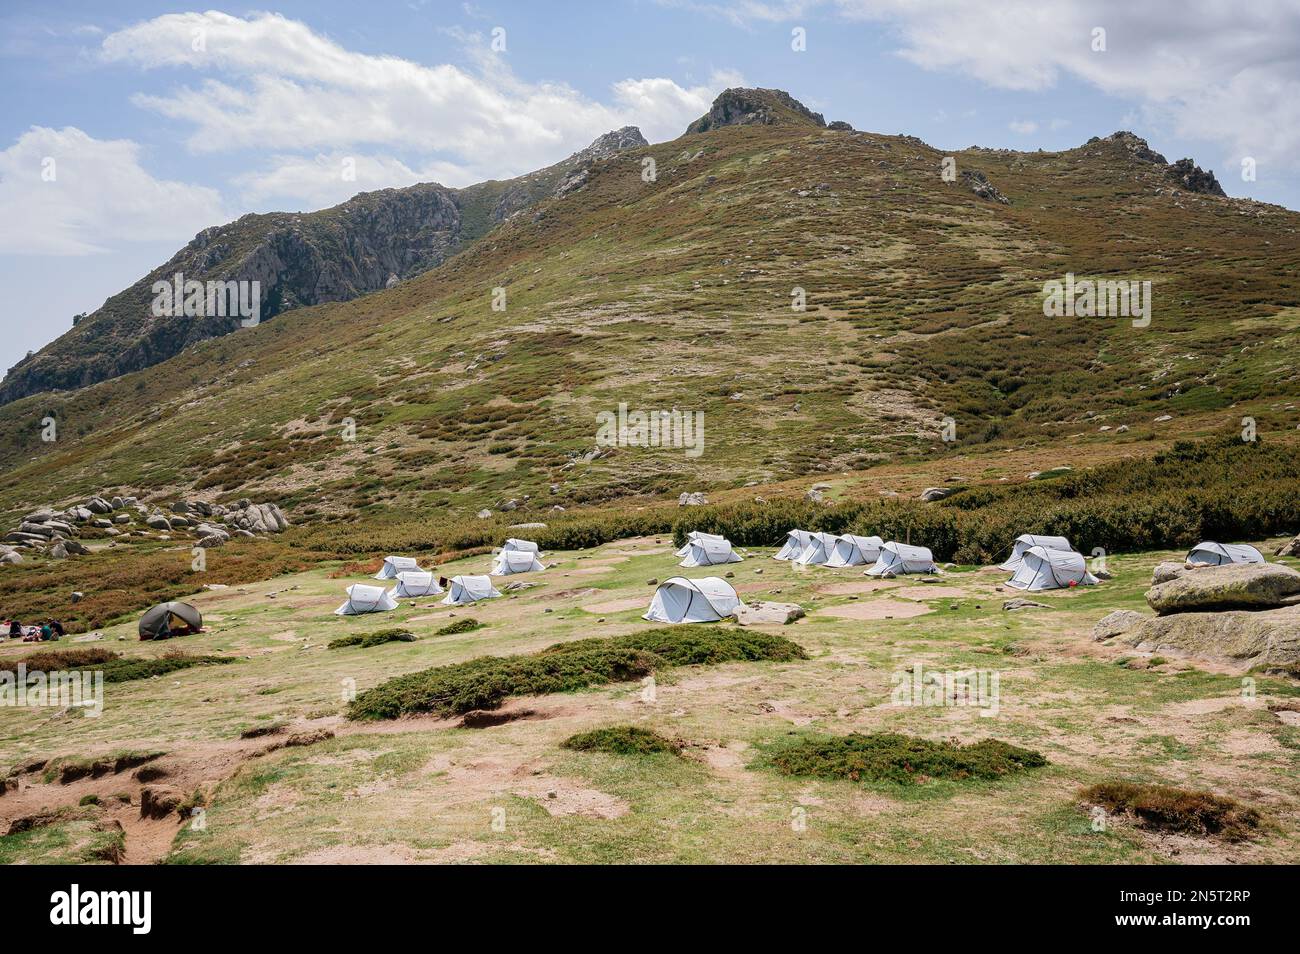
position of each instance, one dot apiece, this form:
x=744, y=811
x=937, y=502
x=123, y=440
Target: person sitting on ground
x=46, y=632
x=59, y=631
x=15, y=629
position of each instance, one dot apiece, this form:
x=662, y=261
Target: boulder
x=73, y=546
x=211, y=540
x=930, y=494
x=35, y=529
x=122, y=518
x=117, y=503
x=179, y=521
x=1235, y=586
x=1164, y=572
x=694, y=499
x=750, y=614
x=157, y=521
x=57, y=552
x=39, y=516
x=484, y=514
x=99, y=505
x=1116, y=624
x=1246, y=637
x=1290, y=549
x=12, y=557
x=814, y=496
x=101, y=523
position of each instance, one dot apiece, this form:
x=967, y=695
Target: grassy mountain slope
x=924, y=301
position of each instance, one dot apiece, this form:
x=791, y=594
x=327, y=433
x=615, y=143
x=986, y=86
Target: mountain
x=755, y=107
x=373, y=240
x=679, y=292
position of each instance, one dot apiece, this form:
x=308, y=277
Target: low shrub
x=483, y=683
x=366, y=640
x=1165, y=808
x=466, y=625
x=621, y=740
x=898, y=759
x=114, y=666
x=59, y=660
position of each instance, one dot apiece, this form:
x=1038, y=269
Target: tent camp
x=1217, y=554
x=679, y=600
x=709, y=552
x=364, y=598
x=818, y=550
x=515, y=561
x=523, y=546
x=795, y=541
x=696, y=536
x=394, y=565
x=850, y=550
x=1044, y=569
x=1027, y=540
x=896, y=558
x=470, y=589
x=170, y=619
x=416, y=583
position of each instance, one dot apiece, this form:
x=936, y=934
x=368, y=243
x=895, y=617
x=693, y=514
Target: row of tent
x=811, y=548
x=516, y=556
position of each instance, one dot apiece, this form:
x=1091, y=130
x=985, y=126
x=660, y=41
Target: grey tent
x=696, y=536
x=394, y=565
x=795, y=541
x=851, y=550
x=364, y=598
x=1027, y=540
x=1218, y=554
x=896, y=558
x=709, y=551
x=170, y=619
x=818, y=549
x=1044, y=569
x=679, y=600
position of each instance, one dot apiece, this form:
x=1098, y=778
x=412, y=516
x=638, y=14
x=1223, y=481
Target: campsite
x=627, y=461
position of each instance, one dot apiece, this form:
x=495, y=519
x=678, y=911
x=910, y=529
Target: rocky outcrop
x=366, y=244
x=692, y=499
x=979, y=184
x=1185, y=172
x=755, y=107
x=1266, y=637
x=1236, y=586
x=1291, y=548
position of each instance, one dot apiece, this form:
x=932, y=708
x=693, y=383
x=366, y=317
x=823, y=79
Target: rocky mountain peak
x=629, y=137
x=1185, y=172
x=755, y=107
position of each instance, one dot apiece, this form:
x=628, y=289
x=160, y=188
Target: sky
x=129, y=127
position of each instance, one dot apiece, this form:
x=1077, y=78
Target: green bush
x=899, y=759
x=466, y=625
x=621, y=740
x=366, y=640
x=1165, y=808
x=483, y=683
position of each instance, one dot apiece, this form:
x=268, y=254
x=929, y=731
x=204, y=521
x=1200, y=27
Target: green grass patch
x=366, y=640
x=1164, y=808
x=483, y=683
x=898, y=759
x=621, y=740
x=114, y=666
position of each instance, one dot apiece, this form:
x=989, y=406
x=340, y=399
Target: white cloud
x=1219, y=71
x=99, y=196
x=328, y=179
x=272, y=83
x=1023, y=126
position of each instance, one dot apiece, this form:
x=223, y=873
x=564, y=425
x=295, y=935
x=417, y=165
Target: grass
x=898, y=759
x=367, y=640
x=483, y=683
x=1164, y=808
x=622, y=740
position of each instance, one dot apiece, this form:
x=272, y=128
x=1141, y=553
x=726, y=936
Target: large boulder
x=1235, y=586
x=1292, y=548
x=99, y=505
x=750, y=614
x=695, y=499
x=1117, y=624
x=1249, y=638
x=157, y=521
x=1164, y=572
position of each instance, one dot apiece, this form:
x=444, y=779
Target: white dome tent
x=679, y=600
x=364, y=598
x=1219, y=554
x=522, y=546
x=470, y=589
x=1044, y=569
x=851, y=550
x=508, y=562
x=394, y=565
x=696, y=536
x=1027, y=540
x=709, y=552
x=896, y=558
x=818, y=550
x=795, y=541
x=416, y=583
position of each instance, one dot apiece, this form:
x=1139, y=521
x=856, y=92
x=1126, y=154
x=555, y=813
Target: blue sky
x=162, y=121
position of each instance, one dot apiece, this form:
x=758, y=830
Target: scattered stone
x=1019, y=604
